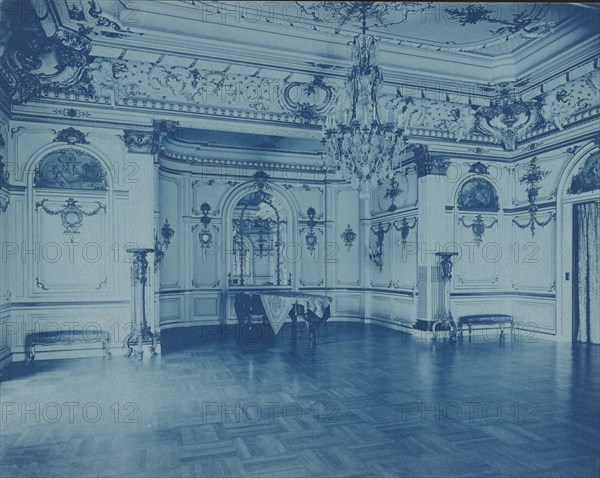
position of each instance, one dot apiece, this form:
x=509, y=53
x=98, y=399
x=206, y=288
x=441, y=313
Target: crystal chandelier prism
x=363, y=148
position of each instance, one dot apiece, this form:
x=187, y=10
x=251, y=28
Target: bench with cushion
x=64, y=337
x=485, y=319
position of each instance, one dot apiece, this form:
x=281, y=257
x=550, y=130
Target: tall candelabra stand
x=445, y=321
x=140, y=331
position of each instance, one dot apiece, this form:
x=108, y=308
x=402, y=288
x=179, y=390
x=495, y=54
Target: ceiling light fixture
x=365, y=149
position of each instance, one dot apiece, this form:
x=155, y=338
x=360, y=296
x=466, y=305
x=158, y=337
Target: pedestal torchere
x=140, y=331
x=445, y=321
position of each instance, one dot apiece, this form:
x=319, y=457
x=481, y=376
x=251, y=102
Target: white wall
x=55, y=281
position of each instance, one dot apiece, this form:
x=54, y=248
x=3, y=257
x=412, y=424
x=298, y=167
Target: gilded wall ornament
x=478, y=227
x=71, y=214
x=532, y=177
x=205, y=235
x=392, y=192
x=70, y=136
x=508, y=117
x=348, y=236
x=478, y=168
x=311, y=236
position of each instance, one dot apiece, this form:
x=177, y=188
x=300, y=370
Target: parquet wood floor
x=365, y=402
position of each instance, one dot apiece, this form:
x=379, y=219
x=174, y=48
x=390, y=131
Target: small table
x=280, y=307
x=485, y=319
x=64, y=337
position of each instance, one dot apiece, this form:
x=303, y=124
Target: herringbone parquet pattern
x=366, y=401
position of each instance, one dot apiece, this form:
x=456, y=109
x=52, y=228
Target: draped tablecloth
x=278, y=305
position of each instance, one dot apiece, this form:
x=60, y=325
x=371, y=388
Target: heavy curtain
x=586, y=260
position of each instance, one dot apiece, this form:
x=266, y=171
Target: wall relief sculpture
x=70, y=136
x=508, y=117
x=477, y=195
x=70, y=169
x=478, y=168
x=308, y=101
x=532, y=178
x=141, y=141
x=33, y=61
x=456, y=118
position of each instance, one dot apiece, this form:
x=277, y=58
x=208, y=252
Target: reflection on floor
x=366, y=401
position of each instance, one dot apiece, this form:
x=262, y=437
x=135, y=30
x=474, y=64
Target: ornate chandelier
x=362, y=147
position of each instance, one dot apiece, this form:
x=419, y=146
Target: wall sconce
x=532, y=178
x=392, y=192
x=377, y=256
x=477, y=226
x=404, y=228
x=167, y=233
x=205, y=235
x=348, y=236
x=311, y=237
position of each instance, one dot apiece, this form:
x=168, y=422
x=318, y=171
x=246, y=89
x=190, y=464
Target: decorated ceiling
x=487, y=74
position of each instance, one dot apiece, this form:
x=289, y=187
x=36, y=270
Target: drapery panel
x=586, y=259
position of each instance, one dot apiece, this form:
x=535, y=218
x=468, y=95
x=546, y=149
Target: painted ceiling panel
x=486, y=28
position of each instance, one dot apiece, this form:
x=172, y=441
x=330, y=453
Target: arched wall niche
x=261, y=182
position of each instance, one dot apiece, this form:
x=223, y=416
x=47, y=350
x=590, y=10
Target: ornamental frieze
x=457, y=119
x=563, y=102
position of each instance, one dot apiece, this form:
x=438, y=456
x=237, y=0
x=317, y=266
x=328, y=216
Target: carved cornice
x=230, y=163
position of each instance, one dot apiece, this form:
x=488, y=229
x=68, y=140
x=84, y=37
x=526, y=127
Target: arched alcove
x=272, y=198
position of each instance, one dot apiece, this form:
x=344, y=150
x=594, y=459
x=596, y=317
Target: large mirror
x=259, y=232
